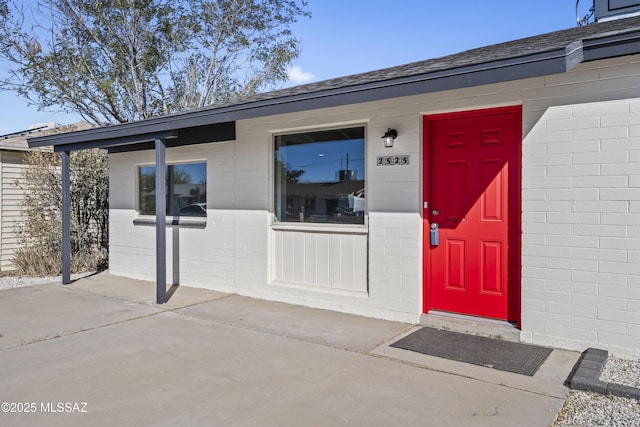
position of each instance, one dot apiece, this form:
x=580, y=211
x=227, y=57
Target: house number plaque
x=401, y=160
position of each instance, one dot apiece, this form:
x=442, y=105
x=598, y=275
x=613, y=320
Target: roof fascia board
x=535, y=65
x=609, y=46
x=112, y=142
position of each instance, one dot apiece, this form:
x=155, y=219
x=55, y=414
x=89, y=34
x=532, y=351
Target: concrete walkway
x=102, y=348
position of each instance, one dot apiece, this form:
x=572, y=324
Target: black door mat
x=507, y=356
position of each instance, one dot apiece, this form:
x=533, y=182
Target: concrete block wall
x=580, y=195
x=581, y=227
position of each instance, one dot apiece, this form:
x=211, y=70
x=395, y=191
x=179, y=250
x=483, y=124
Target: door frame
x=514, y=284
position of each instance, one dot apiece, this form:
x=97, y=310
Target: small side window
x=186, y=190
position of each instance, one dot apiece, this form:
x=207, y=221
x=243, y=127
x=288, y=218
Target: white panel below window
x=333, y=261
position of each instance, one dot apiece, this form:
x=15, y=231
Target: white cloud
x=296, y=75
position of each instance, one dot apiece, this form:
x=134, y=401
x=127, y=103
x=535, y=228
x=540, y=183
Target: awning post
x=161, y=220
x=66, y=217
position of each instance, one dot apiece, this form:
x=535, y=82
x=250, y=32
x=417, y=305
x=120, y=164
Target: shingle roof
x=508, y=50
x=544, y=54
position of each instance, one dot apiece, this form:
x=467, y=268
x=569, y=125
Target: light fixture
x=389, y=136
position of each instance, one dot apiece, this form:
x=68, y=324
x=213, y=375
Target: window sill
x=173, y=222
x=321, y=228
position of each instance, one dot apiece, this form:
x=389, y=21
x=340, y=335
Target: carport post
x=66, y=218
x=161, y=220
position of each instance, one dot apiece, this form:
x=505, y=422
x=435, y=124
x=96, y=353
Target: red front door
x=472, y=195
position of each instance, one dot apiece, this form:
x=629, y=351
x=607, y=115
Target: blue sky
x=346, y=37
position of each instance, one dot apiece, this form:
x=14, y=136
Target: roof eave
x=554, y=61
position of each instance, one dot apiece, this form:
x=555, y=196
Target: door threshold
x=472, y=325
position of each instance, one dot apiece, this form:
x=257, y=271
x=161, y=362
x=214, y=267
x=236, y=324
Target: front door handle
x=435, y=234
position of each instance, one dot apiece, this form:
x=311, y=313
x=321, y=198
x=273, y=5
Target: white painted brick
x=602, y=279
x=538, y=318
x=545, y=138
x=547, y=206
x=600, y=133
x=599, y=230
x=534, y=217
x=624, y=341
x=600, y=206
x=548, y=159
x=531, y=194
x=533, y=239
x=572, y=288
x=555, y=113
x=573, y=124
x=619, y=267
x=574, y=145
x=533, y=149
x=634, y=181
x=621, y=145
x=620, y=292
x=572, y=241
x=600, y=157
x=599, y=181
x=572, y=333
x=634, y=131
x=633, y=331
x=572, y=218
x=634, y=257
x=535, y=294
x=534, y=172
x=546, y=273
x=599, y=254
x=605, y=110
x=572, y=264
x=540, y=228
x=620, y=219
x=532, y=283
x=620, y=120
x=546, y=182
x=573, y=310
x=574, y=170
x=623, y=243
x=619, y=169
x=598, y=325
x=533, y=261
x=620, y=194
x=543, y=251
x=533, y=305
x=617, y=315
x=582, y=194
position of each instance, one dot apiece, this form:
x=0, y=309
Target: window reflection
x=320, y=176
x=186, y=188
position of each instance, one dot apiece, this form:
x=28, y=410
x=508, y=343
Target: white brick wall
x=581, y=199
x=581, y=269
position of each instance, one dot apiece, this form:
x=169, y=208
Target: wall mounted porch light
x=389, y=136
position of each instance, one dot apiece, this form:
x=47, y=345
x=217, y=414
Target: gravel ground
x=621, y=371
x=586, y=409
x=11, y=282
x=581, y=409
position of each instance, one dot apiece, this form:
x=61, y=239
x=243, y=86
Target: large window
x=319, y=176
x=186, y=190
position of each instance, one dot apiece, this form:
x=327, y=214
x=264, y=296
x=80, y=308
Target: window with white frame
x=320, y=176
x=186, y=189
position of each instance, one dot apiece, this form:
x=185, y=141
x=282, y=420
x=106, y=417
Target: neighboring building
x=12, y=162
x=523, y=157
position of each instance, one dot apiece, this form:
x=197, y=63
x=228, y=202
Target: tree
x=40, y=235
x=116, y=61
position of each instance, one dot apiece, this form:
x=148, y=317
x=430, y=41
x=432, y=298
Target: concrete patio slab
x=324, y=327
x=247, y=365
x=41, y=312
x=142, y=292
